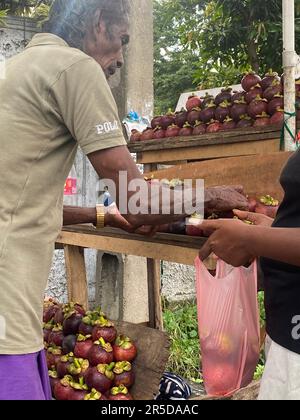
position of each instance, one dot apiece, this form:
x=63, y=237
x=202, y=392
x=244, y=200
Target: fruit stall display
x=86, y=357
x=259, y=104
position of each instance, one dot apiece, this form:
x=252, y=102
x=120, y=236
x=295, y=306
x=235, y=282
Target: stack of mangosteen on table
x=259, y=104
x=86, y=358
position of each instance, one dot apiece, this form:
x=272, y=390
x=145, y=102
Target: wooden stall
x=174, y=248
x=258, y=176
x=181, y=150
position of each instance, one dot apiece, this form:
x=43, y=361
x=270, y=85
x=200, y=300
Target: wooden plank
x=76, y=275
x=236, y=136
x=154, y=293
x=259, y=175
x=150, y=167
x=173, y=253
x=153, y=354
x=210, y=152
x=159, y=238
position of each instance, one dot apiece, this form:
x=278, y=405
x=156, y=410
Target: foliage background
x=211, y=43
x=202, y=43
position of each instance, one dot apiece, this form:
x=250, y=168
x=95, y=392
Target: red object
x=245, y=123
x=135, y=136
x=186, y=131
x=257, y=107
x=109, y=334
x=181, y=118
x=228, y=124
x=214, y=127
x=262, y=121
x=82, y=348
x=124, y=350
x=269, y=78
x=63, y=391
x=193, y=227
x=276, y=103
x=155, y=122
x=250, y=80
x=147, y=134
x=172, y=131
x=275, y=89
x=238, y=96
x=101, y=354
x=277, y=118
x=253, y=93
x=224, y=95
x=159, y=133
x=229, y=332
x=199, y=129
x=238, y=110
x=70, y=186
x=222, y=378
x=193, y=102
x=223, y=111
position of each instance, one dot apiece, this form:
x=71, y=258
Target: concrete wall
x=15, y=36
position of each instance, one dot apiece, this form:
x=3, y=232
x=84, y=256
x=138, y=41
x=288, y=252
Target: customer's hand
x=255, y=218
x=229, y=240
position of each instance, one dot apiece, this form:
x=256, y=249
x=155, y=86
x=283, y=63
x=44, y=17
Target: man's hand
x=113, y=218
x=228, y=240
x=223, y=199
x=255, y=218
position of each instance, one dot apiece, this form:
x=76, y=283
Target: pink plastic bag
x=228, y=326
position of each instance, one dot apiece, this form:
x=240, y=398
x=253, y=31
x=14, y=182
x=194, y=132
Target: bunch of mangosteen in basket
x=86, y=357
x=259, y=104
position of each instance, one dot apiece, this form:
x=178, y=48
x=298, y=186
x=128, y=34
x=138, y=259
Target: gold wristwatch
x=100, y=216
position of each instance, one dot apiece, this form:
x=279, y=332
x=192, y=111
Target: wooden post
x=76, y=275
x=154, y=293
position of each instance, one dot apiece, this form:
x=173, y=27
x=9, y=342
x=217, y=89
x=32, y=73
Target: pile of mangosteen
x=259, y=104
x=86, y=358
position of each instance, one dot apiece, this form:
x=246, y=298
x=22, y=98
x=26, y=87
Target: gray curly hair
x=70, y=19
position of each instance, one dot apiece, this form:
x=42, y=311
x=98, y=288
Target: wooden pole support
x=154, y=293
x=76, y=275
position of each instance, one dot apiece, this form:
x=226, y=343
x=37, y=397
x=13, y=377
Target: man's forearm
x=79, y=215
x=173, y=212
x=109, y=163
x=215, y=199
x=275, y=243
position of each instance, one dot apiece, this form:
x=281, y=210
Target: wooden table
x=171, y=151
x=173, y=248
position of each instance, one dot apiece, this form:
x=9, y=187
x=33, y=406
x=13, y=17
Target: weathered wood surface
x=167, y=247
x=221, y=138
x=153, y=354
x=159, y=238
x=154, y=294
x=168, y=156
x=259, y=174
x=76, y=275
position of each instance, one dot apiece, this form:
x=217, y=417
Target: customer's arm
x=237, y=243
